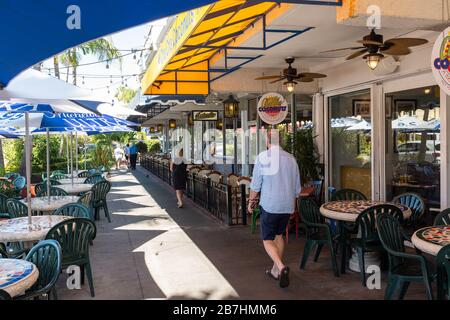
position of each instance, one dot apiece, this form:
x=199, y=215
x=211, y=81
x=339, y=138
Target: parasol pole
x=48, y=164
x=28, y=164
x=85, y=152
x=67, y=152
x=71, y=156
x=76, y=152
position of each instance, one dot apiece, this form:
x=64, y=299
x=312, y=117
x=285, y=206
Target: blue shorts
x=273, y=224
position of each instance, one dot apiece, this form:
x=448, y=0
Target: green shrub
x=153, y=146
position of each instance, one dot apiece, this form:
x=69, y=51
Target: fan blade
x=305, y=79
x=311, y=75
x=268, y=77
x=370, y=42
x=342, y=49
x=356, y=54
x=278, y=80
x=396, y=50
x=406, y=42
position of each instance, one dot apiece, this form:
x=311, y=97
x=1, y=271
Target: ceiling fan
x=290, y=74
x=374, y=48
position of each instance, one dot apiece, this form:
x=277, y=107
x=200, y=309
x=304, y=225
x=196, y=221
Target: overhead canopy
x=181, y=66
x=33, y=31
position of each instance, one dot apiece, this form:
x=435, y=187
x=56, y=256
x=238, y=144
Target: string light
x=110, y=79
x=107, y=64
x=83, y=80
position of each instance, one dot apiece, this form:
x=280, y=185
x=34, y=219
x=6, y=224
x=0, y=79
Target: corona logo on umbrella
x=272, y=108
x=440, y=59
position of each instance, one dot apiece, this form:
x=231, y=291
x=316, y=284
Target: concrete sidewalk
x=153, y=250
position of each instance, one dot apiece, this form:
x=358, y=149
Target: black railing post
x=229, y=207
x=208, y=185
x=244, y=204
x=193, y=186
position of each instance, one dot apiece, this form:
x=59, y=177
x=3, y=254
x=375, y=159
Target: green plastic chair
x=38, y=188
x=348, y=194
x=74, y=236
x=16, y=208
x=54, y=191
x=93, y=179
x=443, y=218
x=415, y=203
x=20, y=183
x=46, y=256
x=4, y=295
x=73, y=210
x=443, y=273
x=12, y=175
x=100, y=190
x=255, y=215
x=83, y=174
x=318, y=233
x=3, y=252
x=404, y=267
x=58, y=176
x=367, y=239
x=4, y=214
x=87, y=200
x=53, y=182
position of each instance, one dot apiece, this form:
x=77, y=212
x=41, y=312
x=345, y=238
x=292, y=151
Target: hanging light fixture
x=159, y=127
x=152, y=129
x=290, y=85
x=190, y=119
x=373, y=59
x=231, y=107
x=172, y=124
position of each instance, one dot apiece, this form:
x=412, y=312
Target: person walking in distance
x=179, y=176
x=133, y=155
x=127, y=154
x=276, y=180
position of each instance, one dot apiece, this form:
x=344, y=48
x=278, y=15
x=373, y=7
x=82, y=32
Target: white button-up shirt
x=276, y=176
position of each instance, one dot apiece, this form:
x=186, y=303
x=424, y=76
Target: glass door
x=350, y=137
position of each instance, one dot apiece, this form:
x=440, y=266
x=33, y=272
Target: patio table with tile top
x=76, y=188
x=16, y=276
x=431, y=239
x=42, y=204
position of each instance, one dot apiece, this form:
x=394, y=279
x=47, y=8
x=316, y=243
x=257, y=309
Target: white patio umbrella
x=344, y=122
x=361, y=126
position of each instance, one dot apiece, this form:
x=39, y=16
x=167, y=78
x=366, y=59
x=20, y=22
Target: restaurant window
x=413, y=143
x=303, y=110
x=350, y=151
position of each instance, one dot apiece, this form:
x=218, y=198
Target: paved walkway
x=153, y=250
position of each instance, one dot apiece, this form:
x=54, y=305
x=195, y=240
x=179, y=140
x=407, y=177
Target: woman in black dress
x=179, y=176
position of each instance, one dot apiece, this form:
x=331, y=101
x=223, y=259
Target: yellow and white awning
x=182, y=63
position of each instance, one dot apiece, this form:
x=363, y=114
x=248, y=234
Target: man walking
x=133, y=155
x=276, y=179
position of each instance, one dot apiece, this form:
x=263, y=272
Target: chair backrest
x=73, y=210
x=93, y=179
x=4, y=295
x=12, y=175
x=443, y=218
x=83, y=174
x=412, y=201
x=54, y=191
x=310, y=212
x=58, y=176
x=86, y=199
x=232, y=180
x=47, y=257
x=215, y=176
x=348, y=194
x=366, y=222
x=391, y=233
x=443, y=268
x=203, y=173
x=100, y=190
x=38, y=188
x=3, y=252
x=74, y=236
x=20, y=183
x=3, y=203
x=16, y=208
x=244, y=180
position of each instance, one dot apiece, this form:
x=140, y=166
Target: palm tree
x=125, y=94
x=102, y=48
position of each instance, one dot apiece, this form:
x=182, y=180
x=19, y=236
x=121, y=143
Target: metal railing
x=226, y=203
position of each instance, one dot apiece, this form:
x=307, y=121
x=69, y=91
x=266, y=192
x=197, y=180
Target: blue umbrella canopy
x=37, y=30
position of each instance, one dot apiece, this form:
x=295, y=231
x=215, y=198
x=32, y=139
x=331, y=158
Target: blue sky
x=133, y=38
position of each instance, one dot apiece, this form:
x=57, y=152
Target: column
x=445, y=150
